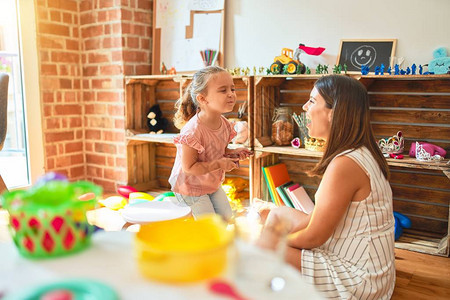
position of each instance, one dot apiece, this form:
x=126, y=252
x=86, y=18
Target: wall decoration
x=371, y=53
x=182, y=30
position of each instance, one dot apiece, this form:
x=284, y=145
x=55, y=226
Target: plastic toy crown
x=394, y=144
x=313, y=144
x=423, y=155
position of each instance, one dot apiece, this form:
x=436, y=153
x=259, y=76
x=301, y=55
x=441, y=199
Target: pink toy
x=311, y=50
x=58, y=295
x=226, y=289
x=125, y=190
x=430, y=148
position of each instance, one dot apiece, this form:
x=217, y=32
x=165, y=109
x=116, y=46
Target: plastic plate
x=154, y=211
x=81, y=289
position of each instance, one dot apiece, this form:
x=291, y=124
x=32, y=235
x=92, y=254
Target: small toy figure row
x=337, y=69
x=379, y=70
x=246, y=71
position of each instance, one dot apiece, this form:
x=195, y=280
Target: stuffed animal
x=441, y=62
x=156, y=123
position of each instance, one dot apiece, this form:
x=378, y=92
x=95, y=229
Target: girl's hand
x=242, y=153
x=227, y=164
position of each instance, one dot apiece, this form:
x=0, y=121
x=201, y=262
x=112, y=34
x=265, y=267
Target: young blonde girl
x=202, y=154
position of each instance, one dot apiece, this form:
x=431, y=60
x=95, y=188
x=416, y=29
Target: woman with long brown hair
x=345, y=247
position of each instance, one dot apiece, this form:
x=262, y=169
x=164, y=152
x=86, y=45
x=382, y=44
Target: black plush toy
x=156, y=123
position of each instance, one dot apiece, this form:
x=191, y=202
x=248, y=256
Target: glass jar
x=282, y=126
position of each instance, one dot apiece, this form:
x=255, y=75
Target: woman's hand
x=274, y=232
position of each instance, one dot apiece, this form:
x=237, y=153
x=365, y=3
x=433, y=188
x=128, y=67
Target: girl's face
x=319, y=116
x=220, y=96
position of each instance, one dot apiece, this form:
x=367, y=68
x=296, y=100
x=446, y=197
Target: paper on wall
x=186, y=55
x=171, y=13
x=206, y=5
x=207, y=27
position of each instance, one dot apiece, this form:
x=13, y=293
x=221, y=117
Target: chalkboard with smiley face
x=371, y=53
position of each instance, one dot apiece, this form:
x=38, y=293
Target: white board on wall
x=182, y=29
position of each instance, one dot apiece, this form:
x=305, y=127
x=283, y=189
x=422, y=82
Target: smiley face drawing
x=363, y=55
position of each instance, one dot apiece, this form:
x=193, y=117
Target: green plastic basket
x=50, y=220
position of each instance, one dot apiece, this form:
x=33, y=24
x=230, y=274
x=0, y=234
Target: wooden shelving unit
x=417, y=105
x=150, y=157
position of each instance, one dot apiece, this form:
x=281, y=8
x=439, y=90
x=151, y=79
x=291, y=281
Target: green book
x=283, y=195
x=268, y=186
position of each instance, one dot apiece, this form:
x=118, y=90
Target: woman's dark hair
x=187, y=105
x=350, y=125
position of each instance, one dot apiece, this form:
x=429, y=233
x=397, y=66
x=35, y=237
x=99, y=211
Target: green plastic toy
x=50, y=219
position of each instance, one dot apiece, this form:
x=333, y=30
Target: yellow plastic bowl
x=183, y=250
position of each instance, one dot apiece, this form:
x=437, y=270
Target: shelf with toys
x=406, y=162
x=150, y=156
x=417, y=105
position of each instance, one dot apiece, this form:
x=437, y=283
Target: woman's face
x=319, y=116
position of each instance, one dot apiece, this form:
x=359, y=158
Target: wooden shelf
x=166, y=138
x=423, y=242
x=404, y=77
x=407, y=162
x=288, y=150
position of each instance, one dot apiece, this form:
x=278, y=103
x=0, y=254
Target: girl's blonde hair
x=187, y=106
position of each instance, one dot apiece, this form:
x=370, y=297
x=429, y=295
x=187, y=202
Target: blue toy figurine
x=382, y=69
x=413, y=69
x=408, y=71
x=396, y=70
x=398, y=230
x=389, y=70
x=401, y=221
x=364, y=70
x=420, y=69
x=377, y=70
x=402, y=72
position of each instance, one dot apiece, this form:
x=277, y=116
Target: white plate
x=154, y=211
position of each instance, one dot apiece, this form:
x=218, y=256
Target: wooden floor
x=421, y=276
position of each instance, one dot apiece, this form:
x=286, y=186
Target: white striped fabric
x=357, y=261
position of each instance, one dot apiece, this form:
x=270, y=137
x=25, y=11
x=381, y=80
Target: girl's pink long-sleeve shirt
x=210, y=145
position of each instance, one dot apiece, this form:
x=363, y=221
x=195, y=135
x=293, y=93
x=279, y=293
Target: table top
x=110, y=260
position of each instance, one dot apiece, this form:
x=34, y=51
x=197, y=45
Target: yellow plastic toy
x=183, y=250
x=114, y=202
x=235, y=187
x=286, y=64
x=140, y=195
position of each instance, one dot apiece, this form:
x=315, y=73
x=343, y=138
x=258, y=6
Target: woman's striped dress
x=357, y=261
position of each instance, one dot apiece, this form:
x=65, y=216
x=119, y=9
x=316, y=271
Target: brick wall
x=113, y=39
x=60, y=86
